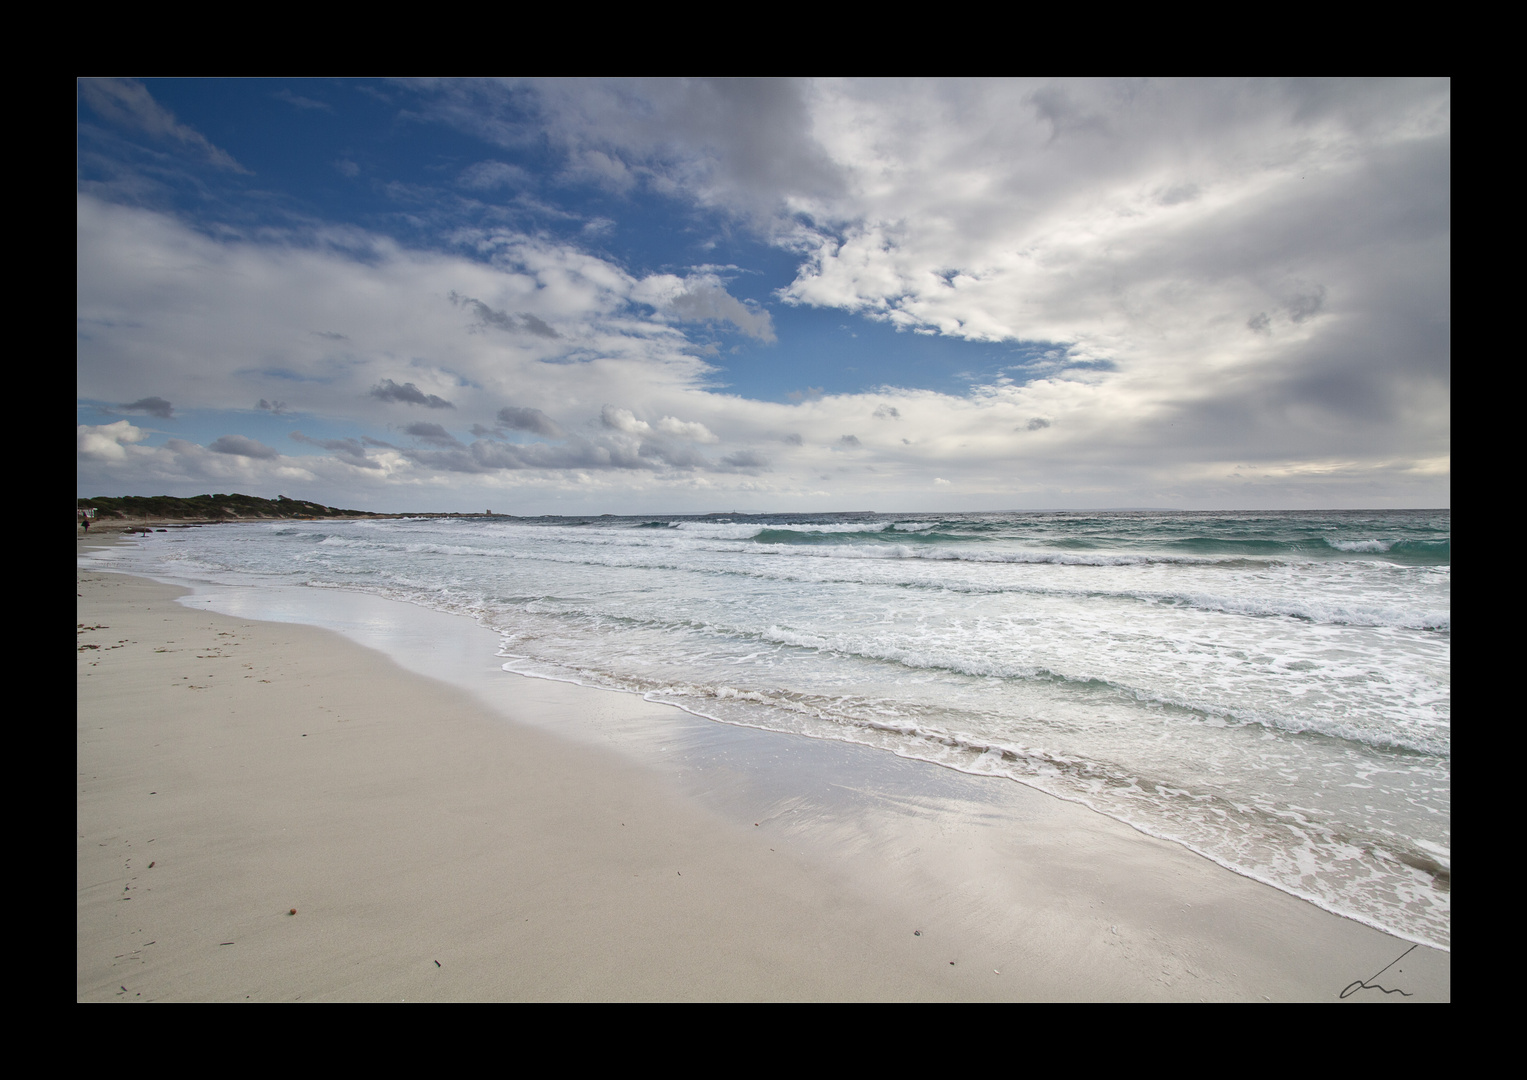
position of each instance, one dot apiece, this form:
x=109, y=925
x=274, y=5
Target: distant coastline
x=134, y=511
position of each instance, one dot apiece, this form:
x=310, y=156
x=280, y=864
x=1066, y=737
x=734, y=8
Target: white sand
x=230, y=771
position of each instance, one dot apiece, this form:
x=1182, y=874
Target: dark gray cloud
x=537, y=327
x=488, y=316
x=277, y=407
x=1306, y=303
x=739, y=143
x=532, y=420
x=409, y=394
x=1065, y=114
x=677, y=457
x=433, y=434
x=1180, y=193
x=755, y=133
x=488, y=455
x=603, y=454
x=746, y=459
x=349, y=451
x=243, y=446
x=850, y=440
x=710, y=302
x=1342, y=394
x=887, y=412
x=154, y=406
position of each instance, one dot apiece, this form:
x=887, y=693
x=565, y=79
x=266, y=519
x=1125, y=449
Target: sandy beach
x=272, y=812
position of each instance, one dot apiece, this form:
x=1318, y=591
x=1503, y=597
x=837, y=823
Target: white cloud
x=107, y=442
x=624, y=420
x=692, y=430
x=322, y=320
x=488, y=175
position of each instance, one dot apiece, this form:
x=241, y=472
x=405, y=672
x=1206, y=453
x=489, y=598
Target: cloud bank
x=1214, y=294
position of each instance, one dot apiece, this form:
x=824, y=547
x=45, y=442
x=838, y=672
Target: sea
x=1269, y=690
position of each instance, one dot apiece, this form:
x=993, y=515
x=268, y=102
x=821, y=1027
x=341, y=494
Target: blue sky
x=627, y=296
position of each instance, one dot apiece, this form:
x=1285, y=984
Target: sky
x=691, y=296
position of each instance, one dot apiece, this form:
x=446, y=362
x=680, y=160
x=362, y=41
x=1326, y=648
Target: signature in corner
x=1368, y=984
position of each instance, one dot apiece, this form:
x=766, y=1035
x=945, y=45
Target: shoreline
x=411, y=823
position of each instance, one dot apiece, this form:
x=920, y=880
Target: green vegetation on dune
x=211, y=507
